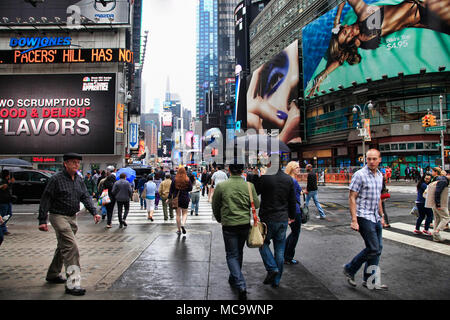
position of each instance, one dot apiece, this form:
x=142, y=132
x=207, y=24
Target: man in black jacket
x=278, y=209
x=204, y=181
x=311, y=191
x=61, y=198
x=109, y=184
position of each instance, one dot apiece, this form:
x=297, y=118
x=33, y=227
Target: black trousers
x=109, y=211
x=120, y=205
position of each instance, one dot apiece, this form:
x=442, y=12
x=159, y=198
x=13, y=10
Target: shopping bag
x=258, y=230
x=104, y=198
x=135, y=196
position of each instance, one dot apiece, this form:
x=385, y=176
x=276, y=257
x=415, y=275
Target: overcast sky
x=171, y=50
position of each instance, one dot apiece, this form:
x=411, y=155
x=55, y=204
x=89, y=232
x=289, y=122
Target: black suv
x=29, y=184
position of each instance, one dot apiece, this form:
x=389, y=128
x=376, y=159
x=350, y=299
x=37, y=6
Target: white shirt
x=218, y=177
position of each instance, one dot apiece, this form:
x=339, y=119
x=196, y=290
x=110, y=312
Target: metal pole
x=442, y=132
x=363, y=138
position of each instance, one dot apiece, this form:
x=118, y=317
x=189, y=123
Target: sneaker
x=417, y=232
x=317, y=217
x=292, y=261
x=178, y=233
x=322, y=218
x=428, y=233
x=376, y=286
x=184, y=229
x=350, y=278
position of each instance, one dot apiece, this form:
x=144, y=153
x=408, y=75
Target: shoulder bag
x=104, y=198
x=259, y=229
x=305, y=211
x=174, y=200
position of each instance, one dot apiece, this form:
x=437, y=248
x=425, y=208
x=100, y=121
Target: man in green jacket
x=231, y=207
x=90, y=184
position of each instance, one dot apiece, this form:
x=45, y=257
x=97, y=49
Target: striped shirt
x=368, y=186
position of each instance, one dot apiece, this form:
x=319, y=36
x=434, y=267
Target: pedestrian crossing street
x=138, y=216
x=399, y=232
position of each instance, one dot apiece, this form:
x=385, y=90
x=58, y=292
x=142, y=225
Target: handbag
x=258, y=231
x=135, y=196
x=415, y=211
x=104, y=198
x=174, y=200
x=386, y=195
x=305, y=211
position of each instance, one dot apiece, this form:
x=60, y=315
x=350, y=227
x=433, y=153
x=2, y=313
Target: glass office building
x=207, y=54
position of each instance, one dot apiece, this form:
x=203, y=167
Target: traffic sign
x=134, y=135
x=430, y=129
x=447, y=147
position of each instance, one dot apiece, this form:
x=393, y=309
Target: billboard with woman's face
x=272, y=96
x=362, y=39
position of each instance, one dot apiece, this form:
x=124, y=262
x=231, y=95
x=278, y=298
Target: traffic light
x=432, y=120
x=426, y=121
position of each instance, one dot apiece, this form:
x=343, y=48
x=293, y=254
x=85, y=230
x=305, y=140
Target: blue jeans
x=422, y=213
x=234, y=248
x=195, y=198
x=313, y=194
x=5, y=209
x=292, y=239
x=143, y=202
x=371, y=233
x=276, y=231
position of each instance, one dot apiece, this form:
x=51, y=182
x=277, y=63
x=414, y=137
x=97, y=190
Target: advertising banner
x=367, y=135
x=30, y=53
x=57, y=113
x=272, y=96
x=69, y=12
x=119, y=117
x=167, y=119
x=363, y=40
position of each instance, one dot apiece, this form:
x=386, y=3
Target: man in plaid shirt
x=367, y=218
x=61, y=198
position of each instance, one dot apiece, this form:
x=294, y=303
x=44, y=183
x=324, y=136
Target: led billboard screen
x=57, y=113
x=167, y=119
x=363, y=40
x=272, y=96
x=67, y=12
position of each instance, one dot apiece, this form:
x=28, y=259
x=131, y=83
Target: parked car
x=29, y=184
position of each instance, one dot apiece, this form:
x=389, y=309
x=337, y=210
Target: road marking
x=409, y=227
x=417, y=242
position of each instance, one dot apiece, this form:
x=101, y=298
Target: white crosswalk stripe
x=425, y=243
x=137, y=216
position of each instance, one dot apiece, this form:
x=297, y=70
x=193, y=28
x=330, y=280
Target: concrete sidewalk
x=142, y=262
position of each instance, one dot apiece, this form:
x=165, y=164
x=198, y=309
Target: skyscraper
x=207, y=54
x=226, y=47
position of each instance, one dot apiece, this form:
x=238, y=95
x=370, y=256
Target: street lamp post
x=363, y=131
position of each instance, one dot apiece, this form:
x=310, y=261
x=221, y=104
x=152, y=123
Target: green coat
x=231, y=202
x=90, y=185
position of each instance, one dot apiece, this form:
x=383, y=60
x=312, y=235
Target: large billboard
x=272, y=96
x=57, y=113
x=360, y=41
x=64, y=12
x=167, y=119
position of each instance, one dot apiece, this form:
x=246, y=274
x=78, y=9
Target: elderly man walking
x=367, y=218
x=61, y=198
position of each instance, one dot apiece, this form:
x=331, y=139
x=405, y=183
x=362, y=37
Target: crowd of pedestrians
x=232, y=193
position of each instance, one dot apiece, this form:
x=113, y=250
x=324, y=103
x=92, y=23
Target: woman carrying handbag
x=179, y=196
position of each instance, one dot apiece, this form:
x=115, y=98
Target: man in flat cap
x=61, y=198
